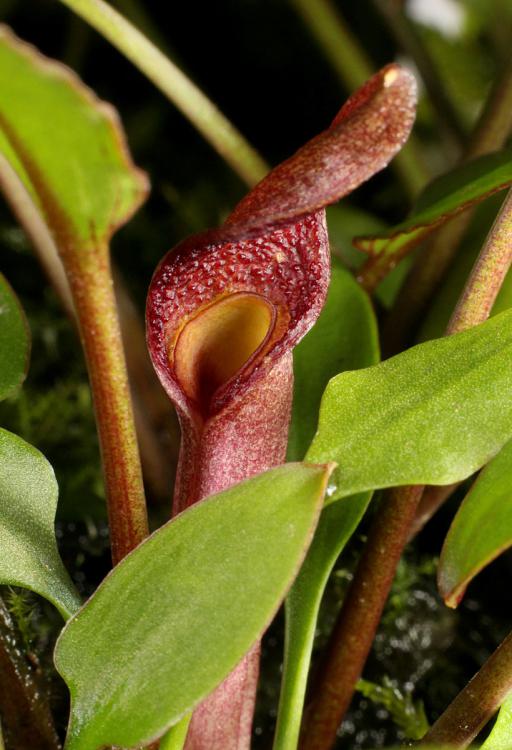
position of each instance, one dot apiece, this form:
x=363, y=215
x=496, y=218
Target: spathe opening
x=218, y=341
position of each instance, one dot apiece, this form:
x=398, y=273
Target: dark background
x=261, y=65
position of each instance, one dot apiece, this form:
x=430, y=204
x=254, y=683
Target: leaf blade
x=28, y=500
x=431, y=415
x=501, y=733
x=215, y=553
x=85, y=196
x=344, y=337
x=445, y=197
x=337, y=524
x=481, y=529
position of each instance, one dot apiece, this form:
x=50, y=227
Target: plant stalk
x=353, y=67
x=172, y=82
x=358, y=620
x=155, y=420
x=93, y=294
x=470, y=711
x=488, y=273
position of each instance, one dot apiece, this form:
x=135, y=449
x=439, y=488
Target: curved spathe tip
x=274, y=244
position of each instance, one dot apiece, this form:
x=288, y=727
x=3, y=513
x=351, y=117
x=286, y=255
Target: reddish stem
x=93, y=294
x=489, y=271
x=470, y=711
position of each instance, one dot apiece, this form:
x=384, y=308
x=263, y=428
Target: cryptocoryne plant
x=288, y=421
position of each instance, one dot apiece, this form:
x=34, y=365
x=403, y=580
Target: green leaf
x=442, y=199
x=14, y=341
x=66, y=147
x=28, y=500
x=431, y=415
x=500, y=737
x=480, y=531
x=337, y=524
x=344, y=337
x=175, y=738
x=66, y=172
x=344, y=222
x=177, y=614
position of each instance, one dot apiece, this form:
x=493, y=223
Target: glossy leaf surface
x=14, y=341
x=431, y=415
x=344, y=338
x=481, y=530
x=185, y=607
x=28, y=500
x=65, y=146
x=443, y=198
x=28, y=490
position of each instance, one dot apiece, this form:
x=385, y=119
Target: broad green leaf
x=66, y=147
x=14, y=341
x=431, y=415
x=341, y=339
x=500, y=737
x=442, y=199
x=345, y=337
x=177, y=614
x=28, y=500
x=480, y=531
x=66, y=172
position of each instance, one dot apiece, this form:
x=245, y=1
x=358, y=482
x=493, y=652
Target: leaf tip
x=450, y=591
